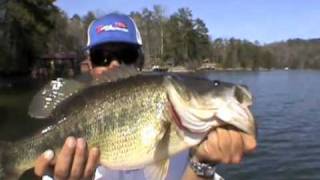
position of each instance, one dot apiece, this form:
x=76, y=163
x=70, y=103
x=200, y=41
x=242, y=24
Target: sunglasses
x=104, y=54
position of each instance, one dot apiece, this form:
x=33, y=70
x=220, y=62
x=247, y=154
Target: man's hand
x=73, y=162
x=225, y=145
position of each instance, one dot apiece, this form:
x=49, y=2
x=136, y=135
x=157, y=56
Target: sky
x=263, y=20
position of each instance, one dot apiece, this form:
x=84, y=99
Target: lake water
x=286, y=106
x=287, y=109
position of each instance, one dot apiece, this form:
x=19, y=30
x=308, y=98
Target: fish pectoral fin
x=157, y=171
x=52, y=94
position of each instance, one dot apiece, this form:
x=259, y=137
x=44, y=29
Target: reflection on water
x=286, y=108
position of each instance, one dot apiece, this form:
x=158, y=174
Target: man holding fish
x=114, y=40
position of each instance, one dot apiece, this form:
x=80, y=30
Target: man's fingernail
x=71, y=142
x=81, y=143
x=48, y=154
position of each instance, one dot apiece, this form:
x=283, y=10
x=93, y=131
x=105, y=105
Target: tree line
x=296, y=53
x=31, y=28
x=178, y=39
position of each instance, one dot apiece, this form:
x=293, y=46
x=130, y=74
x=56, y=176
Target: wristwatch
x=204, y=170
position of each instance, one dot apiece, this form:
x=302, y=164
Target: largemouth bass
x=138, y=121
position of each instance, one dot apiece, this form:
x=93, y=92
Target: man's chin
x=97, y=71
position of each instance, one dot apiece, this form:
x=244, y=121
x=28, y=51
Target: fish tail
x=7, y=171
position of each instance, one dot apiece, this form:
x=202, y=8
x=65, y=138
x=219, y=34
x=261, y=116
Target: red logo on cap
x=117, y=26
x=99, y=29
x=121, y=25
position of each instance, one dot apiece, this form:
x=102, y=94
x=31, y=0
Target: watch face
x=203, y=169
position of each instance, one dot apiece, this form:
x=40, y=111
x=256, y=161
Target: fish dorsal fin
x=157, y=171
x=122, y=72
x=56, y=91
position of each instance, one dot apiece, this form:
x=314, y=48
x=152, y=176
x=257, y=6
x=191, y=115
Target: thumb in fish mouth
x=224, y=145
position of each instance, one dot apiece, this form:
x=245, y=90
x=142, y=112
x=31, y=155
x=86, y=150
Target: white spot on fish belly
x=148, y=135
x=160, y=108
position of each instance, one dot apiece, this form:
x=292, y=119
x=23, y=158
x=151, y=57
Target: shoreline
x=183, y=69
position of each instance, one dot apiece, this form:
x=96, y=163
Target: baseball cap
x=113, y=28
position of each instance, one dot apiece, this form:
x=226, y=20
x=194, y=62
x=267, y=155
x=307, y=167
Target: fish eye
x=216, y=83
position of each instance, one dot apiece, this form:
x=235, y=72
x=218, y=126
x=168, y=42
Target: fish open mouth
x=194, y=112
x=231, y=113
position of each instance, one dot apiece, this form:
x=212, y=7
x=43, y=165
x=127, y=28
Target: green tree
x=28, y=23
x=87, y=19
x=203, y=46
x=218, y=51
x=159, y=20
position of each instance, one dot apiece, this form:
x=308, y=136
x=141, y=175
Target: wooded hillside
x=31, y=28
